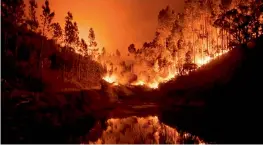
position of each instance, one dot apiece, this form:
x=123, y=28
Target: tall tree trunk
x=222, y=42
x=40, y=52
x=206, y=30
x=6, y=42
x=193, y=36
x=217, y=36
x=17, y=45
x=79, y=68
x=64, y=62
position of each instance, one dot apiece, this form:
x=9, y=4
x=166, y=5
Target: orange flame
x=111, y=79
x=172, y=73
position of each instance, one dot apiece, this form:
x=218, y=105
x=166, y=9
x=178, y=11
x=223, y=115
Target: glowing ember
x=111, y=79
x=138, y=83
x=153, y=85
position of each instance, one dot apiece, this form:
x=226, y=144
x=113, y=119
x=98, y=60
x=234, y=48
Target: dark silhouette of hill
x=42, y=64
x=221, y=102
x=33, y=108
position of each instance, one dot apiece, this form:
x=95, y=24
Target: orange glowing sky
x=117, y=23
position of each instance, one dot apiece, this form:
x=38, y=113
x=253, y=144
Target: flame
x=207, y=59
x=138, y=83
x=111, y=79
x=156, y=81
x=153, y=85
x=203, y=61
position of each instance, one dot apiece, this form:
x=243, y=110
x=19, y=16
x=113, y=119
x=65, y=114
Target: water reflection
x=143, y=130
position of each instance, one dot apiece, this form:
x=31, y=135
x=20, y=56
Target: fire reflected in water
x=146, y=130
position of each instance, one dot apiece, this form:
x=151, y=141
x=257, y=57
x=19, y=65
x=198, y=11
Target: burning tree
x=205, y=30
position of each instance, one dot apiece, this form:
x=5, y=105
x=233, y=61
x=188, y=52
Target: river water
x=143, y=130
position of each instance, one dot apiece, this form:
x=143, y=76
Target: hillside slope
x=220, y=102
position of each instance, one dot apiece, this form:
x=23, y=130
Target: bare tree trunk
x=5, y=47
x=202, y=49
x=79, y=67
x=193, y=36
x=206, y=29
x=64, y=62
x=17, y=45
x=207, y=41
x=222, y=33
x=217, y=38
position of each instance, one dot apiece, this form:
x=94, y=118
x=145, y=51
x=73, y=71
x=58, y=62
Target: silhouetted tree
x=256, y=9
x=46, y=17
x=76, y=34
x=145, y=45
x=57, y=31
x=103, y=51
x=118, y=53
x=32, y=20
x=131, y=48
x=71, y=30
x=84, y=47
x=92, y=42
x=242, y=21
x=13, y=11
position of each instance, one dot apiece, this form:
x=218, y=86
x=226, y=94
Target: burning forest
x=185, y=41
x=56, y=78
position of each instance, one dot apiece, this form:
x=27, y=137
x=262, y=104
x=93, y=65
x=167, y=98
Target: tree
x=166, y=18
x=76, y=34
x=46, y=17
x=188, y=57
x=103, y=51
x=84, y=47
x=118, y=53
x=131, y=48
x=71, y=30
x=242, y=21
x=32, y=20
x=92, y=42
x=256, y=8
x=13, y=11
x=57, y=31
x=72, y=40
x=145, y=45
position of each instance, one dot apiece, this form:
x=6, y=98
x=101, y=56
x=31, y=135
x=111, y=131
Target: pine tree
x=46, y=17
x=92, y=42
x=71, y=31
x=13, y=11
x=32, y=20
x=57, y=32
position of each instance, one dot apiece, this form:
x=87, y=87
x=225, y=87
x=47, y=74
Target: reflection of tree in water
x=137, y=130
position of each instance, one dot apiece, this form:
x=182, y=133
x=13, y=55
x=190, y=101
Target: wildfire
x=111, y=79
x=172, y=73
x=138, y=83
x=153, y=85
x=203, y=61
